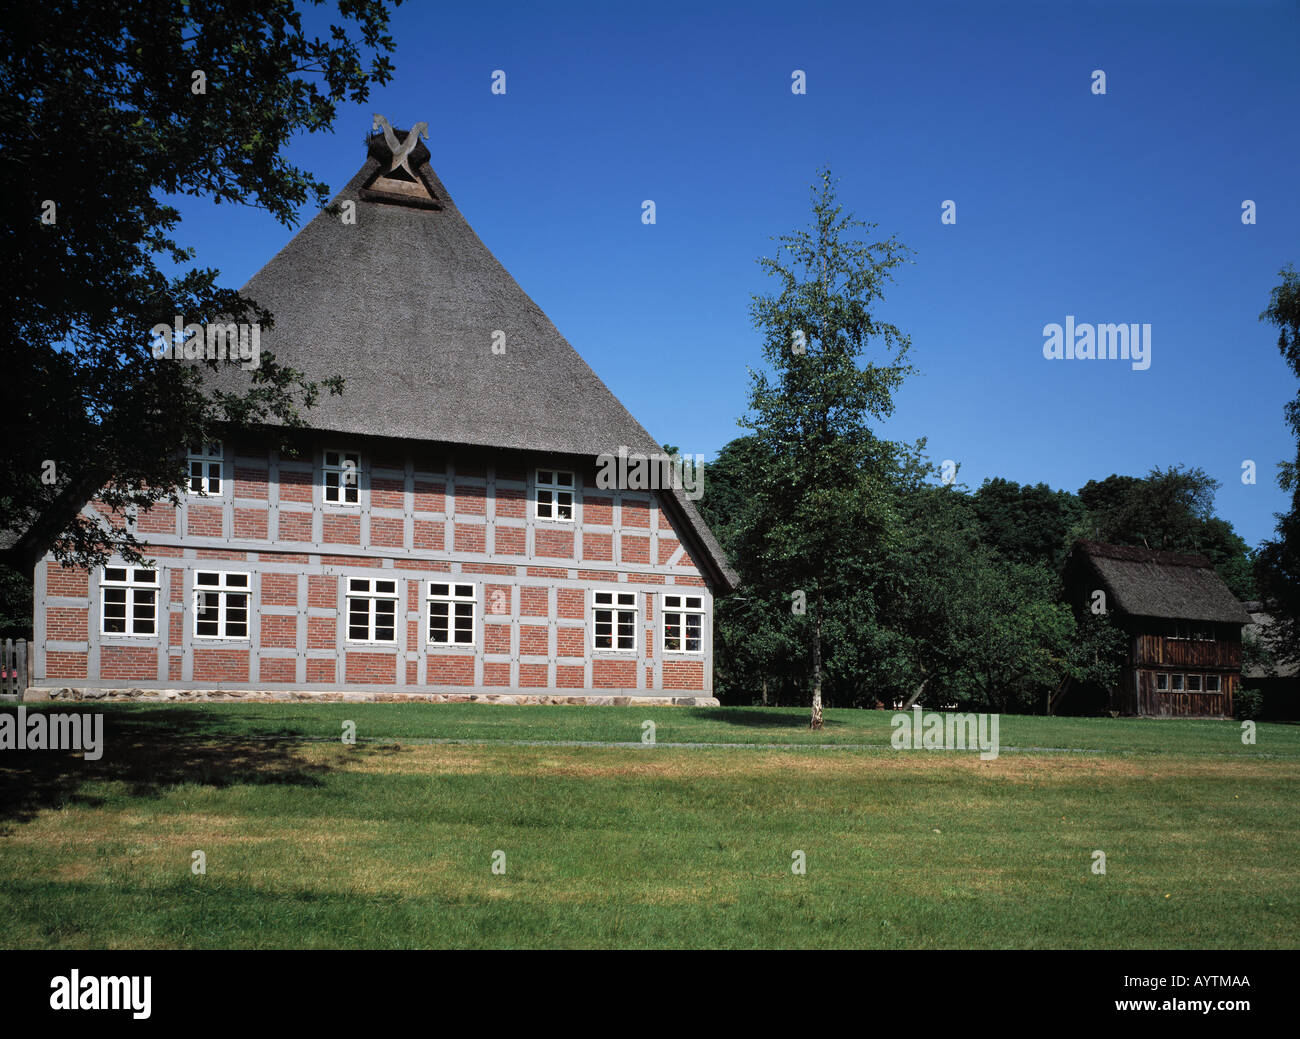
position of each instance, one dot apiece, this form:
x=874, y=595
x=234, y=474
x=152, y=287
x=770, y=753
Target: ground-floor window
x=220, y=605
x=372, y=610
x=128, y=601
x=451, y=614
x=614, y=614
x=1188, y=683
x=683, y=624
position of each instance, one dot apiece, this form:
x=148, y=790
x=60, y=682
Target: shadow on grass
x=762, y=717
x=150, y=751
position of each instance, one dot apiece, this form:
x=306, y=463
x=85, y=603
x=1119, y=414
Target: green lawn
x=389, y=843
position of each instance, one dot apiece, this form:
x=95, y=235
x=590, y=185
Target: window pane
x=1178, y=683
x=237, y=580
x=1193, y=683
x=440, y=589
x=210, y=579
x=387, y=587
x=438, y=613
x=357, y=584
x=114, y=573
x=465, y=591
x=694, y=623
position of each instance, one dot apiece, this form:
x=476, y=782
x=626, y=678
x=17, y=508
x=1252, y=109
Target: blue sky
x=1117, y=208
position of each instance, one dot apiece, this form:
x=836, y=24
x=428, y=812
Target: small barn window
x=128, y=601
x=340, y=476
x=1162, y=683
x=1212, y=683
x=372, y=610
x=1178, y=683
x=554, y=494
x=205, y=468
x=1193, y=683
x=614, y=614
x=451, y=614
x=220, y=605
x=683, y=624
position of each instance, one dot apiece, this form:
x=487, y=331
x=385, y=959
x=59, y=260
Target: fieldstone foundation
x=67, y=693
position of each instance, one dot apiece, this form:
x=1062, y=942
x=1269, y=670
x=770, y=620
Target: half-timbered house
x=440, y=529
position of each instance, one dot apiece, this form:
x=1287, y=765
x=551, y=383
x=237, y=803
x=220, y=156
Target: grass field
x=390, y=842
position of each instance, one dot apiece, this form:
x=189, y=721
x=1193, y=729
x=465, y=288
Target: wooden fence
x=13, y=668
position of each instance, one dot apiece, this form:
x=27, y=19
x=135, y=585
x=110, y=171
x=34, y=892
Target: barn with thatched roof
x=1182, y=625
x=449, y=526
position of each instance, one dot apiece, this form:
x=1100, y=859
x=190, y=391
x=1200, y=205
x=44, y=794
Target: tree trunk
x=816, y=722
x=765, y=690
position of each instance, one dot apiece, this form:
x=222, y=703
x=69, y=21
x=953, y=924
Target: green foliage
x=100, y=115
x=1030, y=523
x=1248, y=704
x=818, y=486
x=15, y=604
x=1278, y=562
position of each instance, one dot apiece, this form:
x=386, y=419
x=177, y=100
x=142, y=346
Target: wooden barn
x=1183, y=629
x=440, y=531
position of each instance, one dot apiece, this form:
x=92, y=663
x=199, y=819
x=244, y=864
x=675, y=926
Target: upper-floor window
x=451, y=613
x=220, y=605
x=340, y=476
x=128, y=601
x=614, y=614
x=372, y=610
x=205, y=468
x=554, y=494
x=683, y=624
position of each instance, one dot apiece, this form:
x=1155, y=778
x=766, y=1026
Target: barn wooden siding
x=1153, y=654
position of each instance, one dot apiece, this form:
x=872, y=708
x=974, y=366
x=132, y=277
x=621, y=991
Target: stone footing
x=67, y=693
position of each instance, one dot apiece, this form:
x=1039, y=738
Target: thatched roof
x=405, y=303
x=1258, y=628
x=1145, y=582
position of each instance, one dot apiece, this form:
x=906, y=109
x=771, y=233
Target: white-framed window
x=614, y=617
x=1177, y=683
x=220, y=605
x=372, y=610
x=1193, y=683
x=683, y=624
x=452, y=613
x=554, y=494
x=128, y=601
x=1162, y=683
x=340, y=476
x=1212, y=684
x=205, y=468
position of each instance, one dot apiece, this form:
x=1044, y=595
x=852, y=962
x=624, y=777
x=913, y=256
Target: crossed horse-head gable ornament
x=401, y=151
